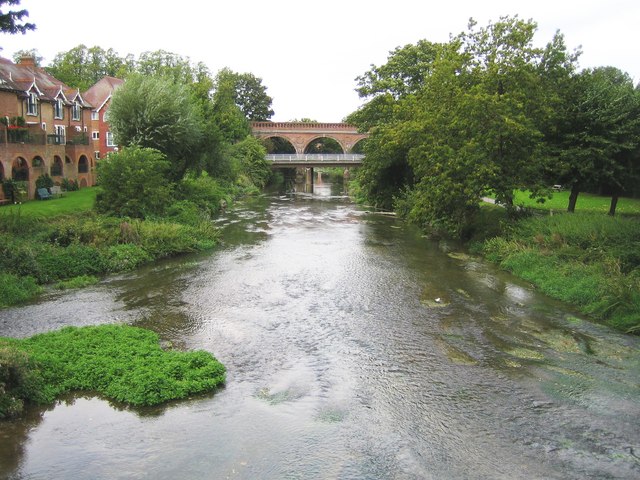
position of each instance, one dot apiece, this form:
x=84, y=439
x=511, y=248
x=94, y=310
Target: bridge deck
x=315, y=159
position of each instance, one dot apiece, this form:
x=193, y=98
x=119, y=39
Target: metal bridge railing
x=315, y=157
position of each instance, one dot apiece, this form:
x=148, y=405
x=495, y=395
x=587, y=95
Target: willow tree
x=154, y=112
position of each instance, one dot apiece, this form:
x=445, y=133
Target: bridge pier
x=308, y=180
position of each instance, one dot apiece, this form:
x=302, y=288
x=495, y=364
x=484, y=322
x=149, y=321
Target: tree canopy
x=489, y=112
x=12, y=21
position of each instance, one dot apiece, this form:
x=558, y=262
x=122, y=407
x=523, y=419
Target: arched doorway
x=57, y=168
x=83, y=164
x=20, y=170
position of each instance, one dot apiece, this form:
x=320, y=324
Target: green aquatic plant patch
x=122, y=363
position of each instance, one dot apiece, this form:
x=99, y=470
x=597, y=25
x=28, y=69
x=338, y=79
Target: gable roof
x=100, y=93
x=21, y=78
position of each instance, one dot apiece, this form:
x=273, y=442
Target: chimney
x=27, y=61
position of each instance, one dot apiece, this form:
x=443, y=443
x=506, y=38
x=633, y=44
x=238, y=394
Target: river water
x=355, y=349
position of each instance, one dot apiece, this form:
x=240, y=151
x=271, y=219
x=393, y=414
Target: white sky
x=309, y=53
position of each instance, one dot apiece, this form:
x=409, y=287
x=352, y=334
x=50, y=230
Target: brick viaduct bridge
x=301, y=134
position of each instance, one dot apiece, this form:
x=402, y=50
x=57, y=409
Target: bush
x=14, y=289
x=135, y=183
x=44, y=181
x=69, y=185
x=57, y=263
x=124, y=257
x=205, y=192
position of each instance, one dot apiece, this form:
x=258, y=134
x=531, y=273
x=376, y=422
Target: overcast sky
x=309, y=53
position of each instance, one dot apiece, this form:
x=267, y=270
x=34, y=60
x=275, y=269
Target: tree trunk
x=573, y=198
x=614, y=204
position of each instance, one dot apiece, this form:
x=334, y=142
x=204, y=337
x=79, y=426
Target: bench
x=43, y=194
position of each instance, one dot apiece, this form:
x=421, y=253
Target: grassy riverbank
x=64, y=242
x=122, y=363
x=587, y=259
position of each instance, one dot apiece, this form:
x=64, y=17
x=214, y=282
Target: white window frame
x=58, y=109
x=75, y=111
x=95, y=115
x=111, y=141
x=32, y=104
x=61, y=131
x=95, y=135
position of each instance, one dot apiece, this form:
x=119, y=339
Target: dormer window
x=75, y=111
x=32, y=104
x=58, y=108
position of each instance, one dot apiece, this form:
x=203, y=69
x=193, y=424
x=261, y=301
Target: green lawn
x=587, y=202
x=72, y=202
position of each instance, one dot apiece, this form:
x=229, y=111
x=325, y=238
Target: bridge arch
x=310, y=147
x=300, y=134
x=278, y=144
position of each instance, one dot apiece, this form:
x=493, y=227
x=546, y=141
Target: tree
x=247, y=92
x=12, y=21
x=33, y=53
x=456, y=121
x=81, y=67
x=250, y=156
x=135, y=183
x=156, y=113
x=599, y=134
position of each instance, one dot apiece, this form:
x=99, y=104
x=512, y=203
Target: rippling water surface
x=355, y=349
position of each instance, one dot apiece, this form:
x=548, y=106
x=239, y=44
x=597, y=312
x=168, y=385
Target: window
x=58, y=109
x=95, y=115
x=96, y=155
x=32, y=104
x=44, y=126
x=95, y=135
x=60, y=135
x=110, y=140
x=75, y=111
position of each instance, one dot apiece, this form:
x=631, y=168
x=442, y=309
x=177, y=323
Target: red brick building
x=45, y=128
x=99, y=95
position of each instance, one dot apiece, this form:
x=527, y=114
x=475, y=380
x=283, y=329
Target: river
x=355, y=349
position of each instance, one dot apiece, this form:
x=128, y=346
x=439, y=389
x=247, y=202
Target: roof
x=101, y=92
x=27, y=78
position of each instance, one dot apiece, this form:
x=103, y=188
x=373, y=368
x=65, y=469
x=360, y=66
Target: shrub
x=44, y=181
x=14, y=289
x=135, y=183
x=124, y=257
x=69, y=185
x=205, y=192
x=57, y=263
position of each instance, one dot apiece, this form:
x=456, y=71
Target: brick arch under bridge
x=301, y=134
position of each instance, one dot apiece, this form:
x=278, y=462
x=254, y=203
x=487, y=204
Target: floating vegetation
x=455, y=354
x=525, y=353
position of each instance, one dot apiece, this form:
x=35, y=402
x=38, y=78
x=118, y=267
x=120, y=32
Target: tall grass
x=589, y=260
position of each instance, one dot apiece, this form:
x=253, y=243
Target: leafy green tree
x=135, y=182
x=11, y=21
x=232, y=122
x=250, y=156
x=82, y=67
x=599, y=133
x=156, y=113
x=33, y=53
x=167, y=64
x=247, y=92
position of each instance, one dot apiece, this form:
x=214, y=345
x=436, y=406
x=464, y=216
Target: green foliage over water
x=123, y=363
x=589, y=260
